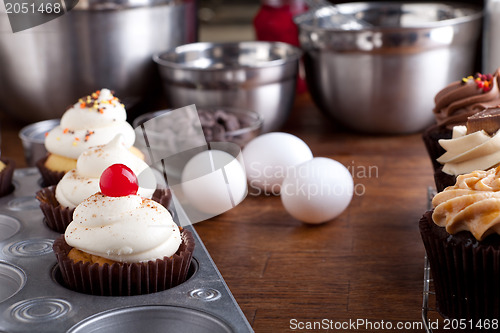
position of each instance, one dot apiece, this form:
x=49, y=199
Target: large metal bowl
x=98, y=44
x=258, y=76
x=384, y=79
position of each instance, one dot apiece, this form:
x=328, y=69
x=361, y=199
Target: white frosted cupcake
x=94, y=120
x=123, y=245
x=58, y=202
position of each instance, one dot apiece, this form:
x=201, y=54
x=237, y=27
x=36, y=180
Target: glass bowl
x=219, y=124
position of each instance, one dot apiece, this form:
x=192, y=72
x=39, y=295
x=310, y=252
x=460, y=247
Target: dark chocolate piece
x=216, y=124
x=487, y=120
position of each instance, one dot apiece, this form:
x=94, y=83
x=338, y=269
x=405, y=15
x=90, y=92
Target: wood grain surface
x=367, y=264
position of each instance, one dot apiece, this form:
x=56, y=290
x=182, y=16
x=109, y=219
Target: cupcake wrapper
x=57, y=217
x=6, y=176
x=431, y=136
x=49, y=177
x=443, y=180
x=466, y=272
x=163, y=196
x=123, y=279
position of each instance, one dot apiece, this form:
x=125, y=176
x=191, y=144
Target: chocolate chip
x=216, y=124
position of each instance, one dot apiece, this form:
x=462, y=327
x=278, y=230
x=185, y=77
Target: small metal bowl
x=33, y=139
x=251, y=120
x=255, y=75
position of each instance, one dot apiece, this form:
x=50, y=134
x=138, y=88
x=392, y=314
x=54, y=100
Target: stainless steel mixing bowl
x=98, y=44
x=258, y=76
x=384, y=79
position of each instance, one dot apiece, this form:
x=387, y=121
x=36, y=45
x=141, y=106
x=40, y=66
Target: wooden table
x=365, y=265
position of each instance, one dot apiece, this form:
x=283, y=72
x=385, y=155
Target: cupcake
x=94, y=120
x=475, y=146
x=58, y=202
x=461, y=236
x=453, y=106
x=7, y=167
x=122, y=244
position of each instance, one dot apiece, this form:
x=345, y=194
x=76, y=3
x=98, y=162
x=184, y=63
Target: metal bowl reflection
x=383, y=79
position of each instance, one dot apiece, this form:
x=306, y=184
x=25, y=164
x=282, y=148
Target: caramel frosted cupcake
x=7, y=167
x=122, y=245
x=58, y=202
x=94, y=120
x=453, y=106
x=462, y=241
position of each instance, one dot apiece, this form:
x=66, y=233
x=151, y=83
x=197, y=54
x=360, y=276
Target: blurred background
x=92, y=48
x=227, y=20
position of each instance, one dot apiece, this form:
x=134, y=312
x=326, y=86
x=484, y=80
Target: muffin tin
x=32, y=295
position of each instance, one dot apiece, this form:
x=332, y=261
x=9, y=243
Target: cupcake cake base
x=49, y=177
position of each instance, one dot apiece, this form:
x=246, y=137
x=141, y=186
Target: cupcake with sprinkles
x=454, y=105
x=122, y=244
x=93, y=120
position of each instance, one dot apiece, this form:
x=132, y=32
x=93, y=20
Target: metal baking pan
x=33, y=299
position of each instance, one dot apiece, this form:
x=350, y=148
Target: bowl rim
x=476, y=13
x=26, y=133
x=295, y=55
x=258, y=119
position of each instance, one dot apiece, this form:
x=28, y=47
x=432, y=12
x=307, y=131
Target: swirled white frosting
x=93, y=120
x=80, y=183
x=124, y=229
x=468, y=152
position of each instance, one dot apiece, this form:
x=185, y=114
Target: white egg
x=213, y=182
x=317, y=191
x=269, y=156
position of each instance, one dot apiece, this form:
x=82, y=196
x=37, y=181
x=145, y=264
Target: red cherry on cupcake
x=118, y=180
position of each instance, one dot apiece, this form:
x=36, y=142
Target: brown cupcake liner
x=49, y=177
x=431, y=136
x=163, y=196
x=6, y=185
x=56, y=216
x=124, y=279
x=466, y=272
x=443, y=180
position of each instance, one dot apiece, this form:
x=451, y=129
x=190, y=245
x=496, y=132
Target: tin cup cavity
x=152, y=319
x=9, y=226
x=12, y=279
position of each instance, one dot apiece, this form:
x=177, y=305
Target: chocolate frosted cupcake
x=462, y=241
x=94, y=120
x=7, y=167
x=453, y=107
x=58, y=202
x=123, y=245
